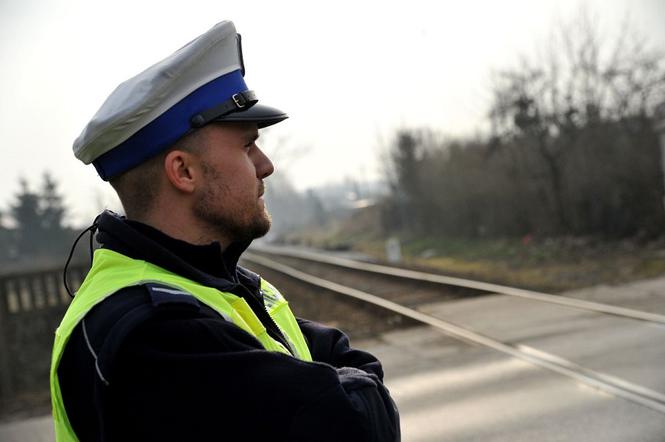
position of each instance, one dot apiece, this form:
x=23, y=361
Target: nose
x=264, y=167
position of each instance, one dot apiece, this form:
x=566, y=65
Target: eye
x=251, y=142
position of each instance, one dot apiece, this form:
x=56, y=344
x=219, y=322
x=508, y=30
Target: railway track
x=402, y=292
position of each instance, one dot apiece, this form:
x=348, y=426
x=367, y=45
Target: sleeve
x=206, y=379
x=331, y=346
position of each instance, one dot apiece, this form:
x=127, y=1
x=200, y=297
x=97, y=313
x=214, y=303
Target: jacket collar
x=207, y=264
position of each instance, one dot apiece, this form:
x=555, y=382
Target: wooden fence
x=32, y=304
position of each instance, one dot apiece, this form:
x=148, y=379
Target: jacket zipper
x=274, y=331
x=286, y=341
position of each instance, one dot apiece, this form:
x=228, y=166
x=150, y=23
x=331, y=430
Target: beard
x=232, y=217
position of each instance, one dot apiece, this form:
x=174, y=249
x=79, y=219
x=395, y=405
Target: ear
x=181, y=169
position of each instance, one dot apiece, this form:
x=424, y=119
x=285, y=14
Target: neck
x=179, y=225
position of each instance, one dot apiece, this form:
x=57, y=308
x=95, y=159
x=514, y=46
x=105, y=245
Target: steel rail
x=598, y=380
x=467, y=283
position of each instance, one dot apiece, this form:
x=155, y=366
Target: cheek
x=241, y=164
x=237, y=174
x=244, y=184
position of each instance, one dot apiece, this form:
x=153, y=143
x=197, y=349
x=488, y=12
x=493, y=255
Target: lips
x=262, y=189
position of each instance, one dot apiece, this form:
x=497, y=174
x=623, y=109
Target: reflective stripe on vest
x=112, y=271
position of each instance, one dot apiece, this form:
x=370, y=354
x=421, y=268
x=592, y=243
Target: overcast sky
x=347, y=72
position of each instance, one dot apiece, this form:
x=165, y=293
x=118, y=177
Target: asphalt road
x=449, y=391
x=454, y=392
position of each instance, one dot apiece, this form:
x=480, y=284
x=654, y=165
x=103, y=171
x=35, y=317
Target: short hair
x=138, y=188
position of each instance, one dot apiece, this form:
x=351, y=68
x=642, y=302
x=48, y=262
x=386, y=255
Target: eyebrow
x=252, y=136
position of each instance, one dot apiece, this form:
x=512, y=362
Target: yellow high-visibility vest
x=112, y=271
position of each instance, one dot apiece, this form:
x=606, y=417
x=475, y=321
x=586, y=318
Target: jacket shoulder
x=106, y=327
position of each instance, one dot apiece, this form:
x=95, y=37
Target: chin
x=264, y=228
x=258, y=227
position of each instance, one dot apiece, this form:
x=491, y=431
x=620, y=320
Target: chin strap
x=238, y=102
x=92, y=229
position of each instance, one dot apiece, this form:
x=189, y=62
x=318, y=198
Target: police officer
x=168, y=339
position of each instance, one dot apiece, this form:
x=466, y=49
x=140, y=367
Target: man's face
x=230, y=199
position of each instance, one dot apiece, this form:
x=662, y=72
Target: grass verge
x=545, y=264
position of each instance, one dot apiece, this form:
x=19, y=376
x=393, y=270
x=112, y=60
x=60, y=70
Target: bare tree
x=568, y=100
x=572, y=151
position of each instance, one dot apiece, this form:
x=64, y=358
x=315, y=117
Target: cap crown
x=152, y=110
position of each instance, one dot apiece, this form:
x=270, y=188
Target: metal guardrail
x=32, y=304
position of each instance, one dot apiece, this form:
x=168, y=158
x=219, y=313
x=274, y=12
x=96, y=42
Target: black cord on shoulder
x=92, y=249
x=92, y=229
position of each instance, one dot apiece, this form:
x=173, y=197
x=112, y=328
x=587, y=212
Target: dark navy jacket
x=189, y=375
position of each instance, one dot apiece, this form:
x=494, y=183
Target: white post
x=393, y=251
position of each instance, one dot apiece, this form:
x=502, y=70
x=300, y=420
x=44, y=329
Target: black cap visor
x=260, y=114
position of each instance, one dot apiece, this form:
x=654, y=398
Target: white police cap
x=200, y=83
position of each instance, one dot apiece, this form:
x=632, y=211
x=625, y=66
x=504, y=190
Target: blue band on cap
x=166, y=129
